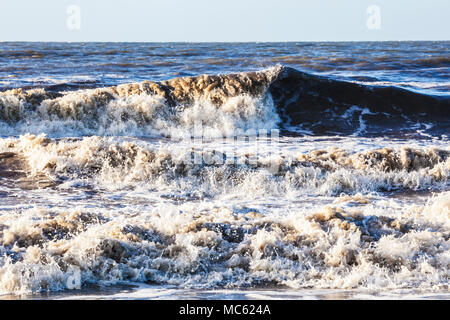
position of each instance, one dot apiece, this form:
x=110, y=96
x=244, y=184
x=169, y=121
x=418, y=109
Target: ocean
x=225, y=170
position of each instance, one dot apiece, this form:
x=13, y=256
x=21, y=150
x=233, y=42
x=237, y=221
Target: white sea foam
x=343, y=245
x=86, y=112
x=122, y=211
x=116, y=165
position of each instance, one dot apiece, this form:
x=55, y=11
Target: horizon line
x=250, y=41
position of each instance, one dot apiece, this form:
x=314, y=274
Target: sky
x=224, y=21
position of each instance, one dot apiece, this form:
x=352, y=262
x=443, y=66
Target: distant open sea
x=225, y=170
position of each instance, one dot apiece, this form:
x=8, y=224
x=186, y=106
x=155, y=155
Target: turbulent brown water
x=272, y=178
x=300, y=99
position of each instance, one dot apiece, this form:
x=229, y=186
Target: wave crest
x=291, y=98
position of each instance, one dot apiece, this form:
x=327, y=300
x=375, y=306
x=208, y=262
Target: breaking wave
x=224, y=105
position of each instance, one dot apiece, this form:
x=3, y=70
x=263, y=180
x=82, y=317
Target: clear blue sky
x=225, y=20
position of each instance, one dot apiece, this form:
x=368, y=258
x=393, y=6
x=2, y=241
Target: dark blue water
x=419, y=66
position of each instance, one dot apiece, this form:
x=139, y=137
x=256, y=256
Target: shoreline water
x=152, y=292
